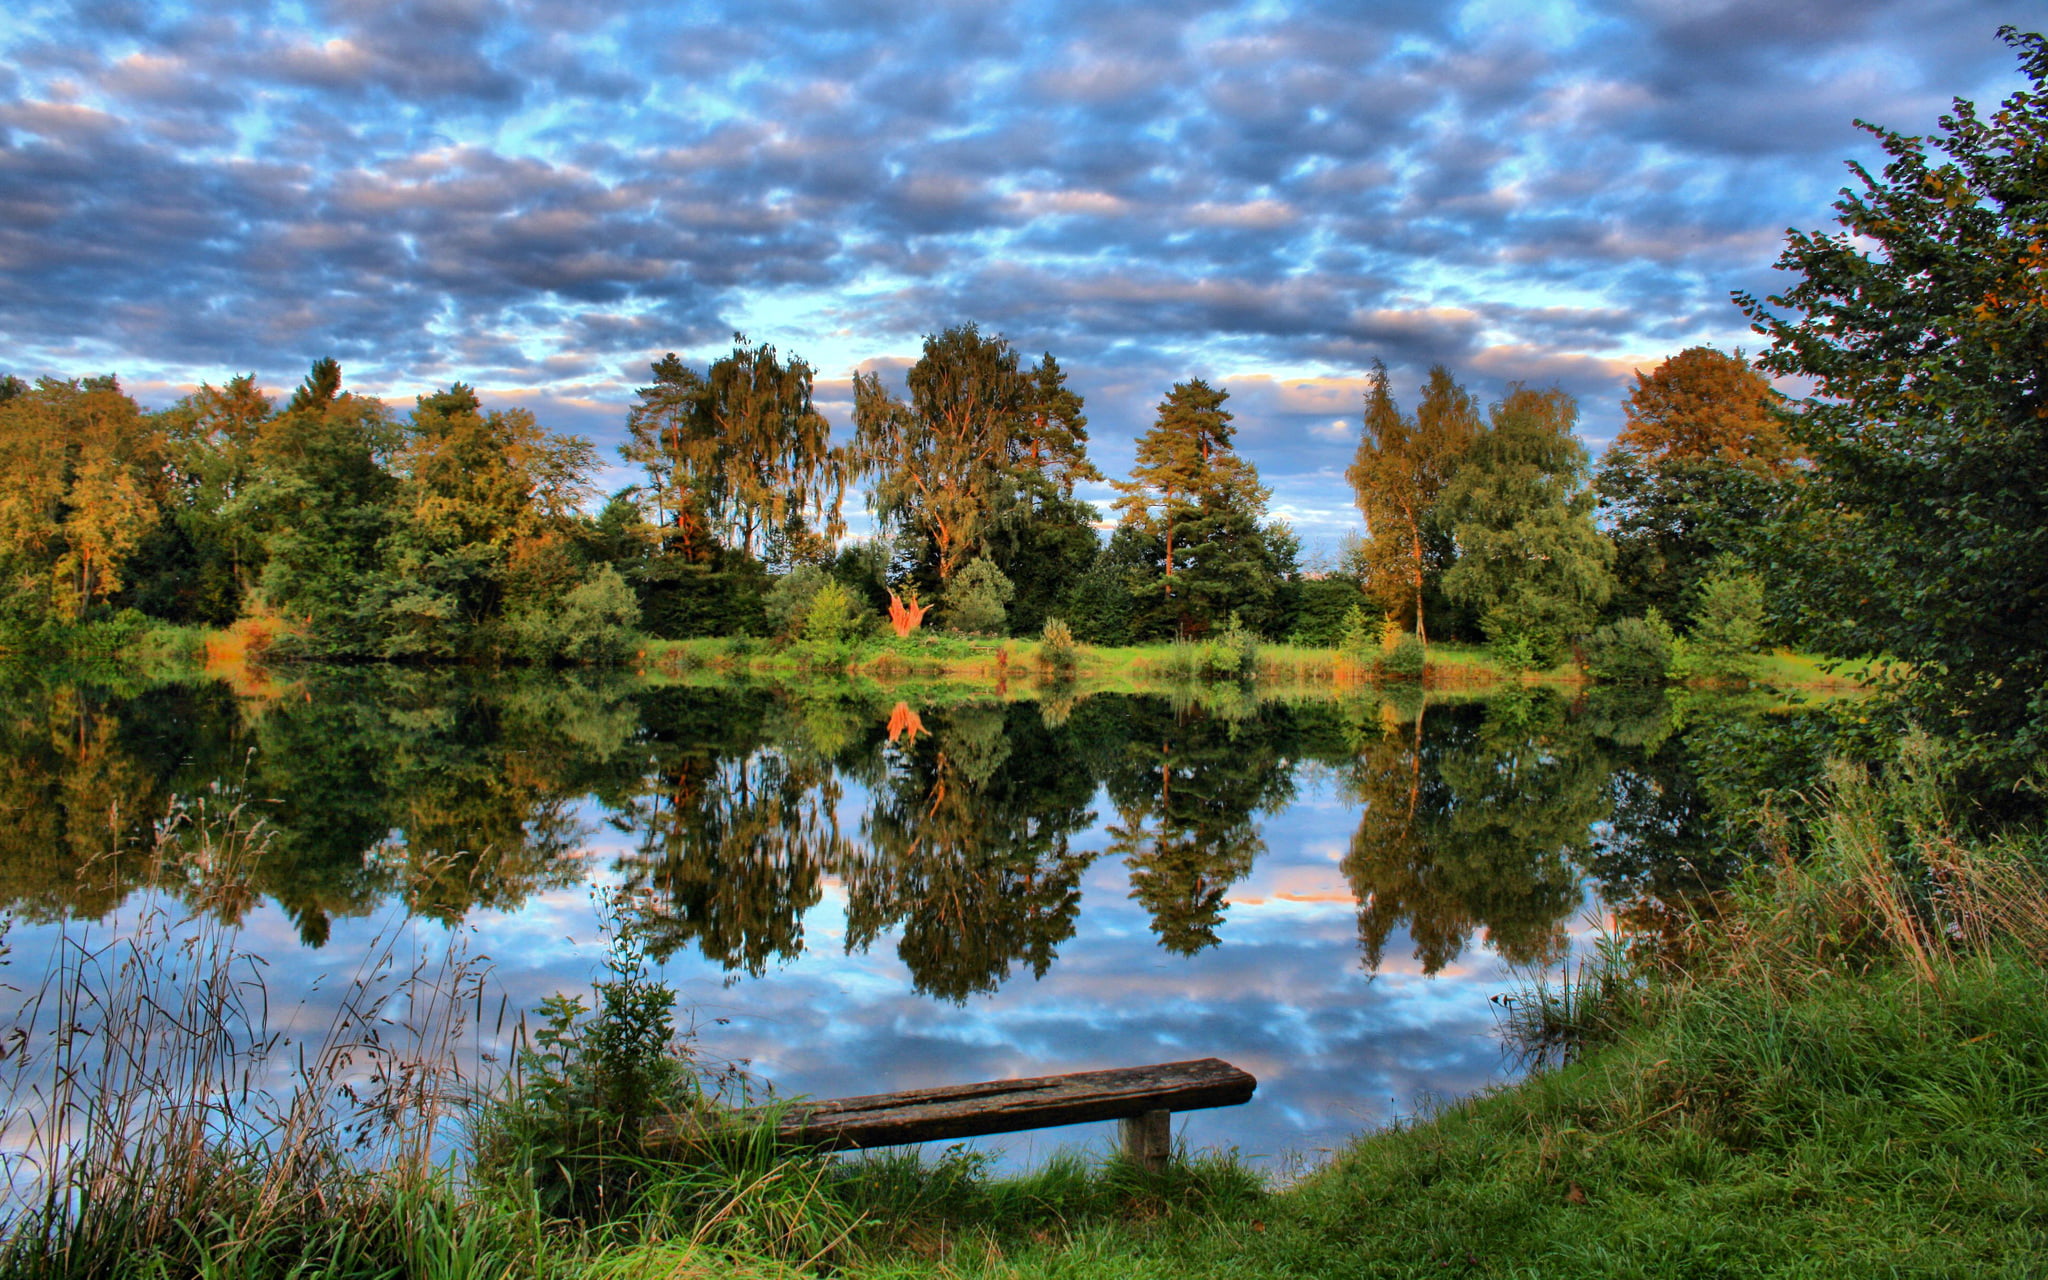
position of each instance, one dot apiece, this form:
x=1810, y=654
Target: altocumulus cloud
x=539, y=197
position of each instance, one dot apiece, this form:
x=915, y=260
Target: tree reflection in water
x=963, y=830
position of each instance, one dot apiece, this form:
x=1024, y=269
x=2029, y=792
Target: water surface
x=857, y=890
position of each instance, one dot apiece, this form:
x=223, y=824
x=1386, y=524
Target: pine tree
x=1192, y=492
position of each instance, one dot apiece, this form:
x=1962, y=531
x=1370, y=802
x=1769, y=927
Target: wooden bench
x=1143, y=1098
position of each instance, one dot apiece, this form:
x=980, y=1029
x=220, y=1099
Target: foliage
x=82, y=470
x=1057, y=651
x=1632, y=650
x=1923, y=326
x=1530, y=562
x=1321, y=606
x=596, y=620
x=1671, y=522
x=1359, y=636
x=1728, y=623
x=1099, y=604
x=788, y=603
x=833, y=621
x=1406, y=660
x=980, y=441
x=567, y=1132
x=739, y=454
x=1402, y=466
x=1701, y=404
x=977, y=599
x=1193, y=494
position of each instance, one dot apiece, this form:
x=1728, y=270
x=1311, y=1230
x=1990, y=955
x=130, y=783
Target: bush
x=1232, y=655
x=1098, y=607
x=833, y=621
x=1406, y=660
x=1056, y=648
x=1322, y=609
x=1632, y=651
x=1728, y=624
x=593, y=621
x=1513, y=652
x=569, y=1130
x=788, y=604
x=977, y=599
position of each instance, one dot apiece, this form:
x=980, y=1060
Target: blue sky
x=541, y=197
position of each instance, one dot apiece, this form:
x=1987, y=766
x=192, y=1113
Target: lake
x=857, y=889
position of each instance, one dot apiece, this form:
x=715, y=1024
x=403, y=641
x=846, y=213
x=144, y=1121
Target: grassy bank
x=1838, y=1075
x=989, y=663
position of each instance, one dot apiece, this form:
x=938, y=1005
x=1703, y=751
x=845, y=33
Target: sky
x=540, y=197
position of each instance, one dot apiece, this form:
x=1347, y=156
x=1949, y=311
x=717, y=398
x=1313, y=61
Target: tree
x=1923, y=326
x=1400, y=470
x=1056, y=448
x=196, y=563
x=740, y=453
x=939, y=461
x=978, y=598
x=85, y=480
x=1701, y=465
x=488, y=500
x=1202, y=501
x=1530, y=562
x=321, y=499
x=980, y=461
x=1704, y=403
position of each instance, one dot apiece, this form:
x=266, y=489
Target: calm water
x=855, y=891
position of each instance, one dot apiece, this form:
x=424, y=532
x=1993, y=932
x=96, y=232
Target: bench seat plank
x=1010, y=1106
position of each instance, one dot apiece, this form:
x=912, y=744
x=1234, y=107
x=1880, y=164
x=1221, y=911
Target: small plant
x=1405, y=660
x=1232, y=655
x=977, y=600
x=1514, y=653
x=1057, y=651
x=1632, y=651
x=569, y=1130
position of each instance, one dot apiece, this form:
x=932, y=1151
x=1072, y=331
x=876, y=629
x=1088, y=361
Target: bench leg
x=1148, y=1139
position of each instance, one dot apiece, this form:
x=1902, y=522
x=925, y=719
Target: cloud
x=1151, y=191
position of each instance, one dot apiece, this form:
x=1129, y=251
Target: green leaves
x=1923, y=325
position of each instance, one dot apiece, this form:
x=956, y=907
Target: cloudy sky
x=540, y=197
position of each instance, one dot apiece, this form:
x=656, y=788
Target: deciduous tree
x=1530, y=562
x=1922, y=322
x=1400, y=470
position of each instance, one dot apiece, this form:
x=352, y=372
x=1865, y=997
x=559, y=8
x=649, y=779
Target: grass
x=1840, y=1077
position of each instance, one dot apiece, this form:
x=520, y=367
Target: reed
x=155, y=1096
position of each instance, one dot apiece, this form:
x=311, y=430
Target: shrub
x=1406, y=660
x=569, y=1129
x=593, y=621
x=1056, y=648
x=1098, y=607
x=977, y=599
x=1728, y=624
x=1359, y=634
x=1513, y=652
x=1232, y=655
x=1632, y=650
x=788, y=604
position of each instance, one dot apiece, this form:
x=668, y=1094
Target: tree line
x=460, y=532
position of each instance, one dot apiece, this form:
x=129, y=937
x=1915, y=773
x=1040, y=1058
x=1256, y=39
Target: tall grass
x=153, y=1091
